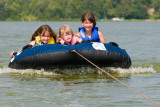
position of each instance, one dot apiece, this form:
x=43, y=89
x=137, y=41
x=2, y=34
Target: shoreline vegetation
x=72, y=10
x=78, y=20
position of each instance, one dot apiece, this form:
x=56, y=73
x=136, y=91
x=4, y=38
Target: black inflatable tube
x=59, y=56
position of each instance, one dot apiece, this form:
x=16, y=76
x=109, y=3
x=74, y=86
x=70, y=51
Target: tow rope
x=156, y=104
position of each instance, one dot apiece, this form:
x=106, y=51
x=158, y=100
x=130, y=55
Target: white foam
x=135, y=70
x=83, y=70
x=26, y=72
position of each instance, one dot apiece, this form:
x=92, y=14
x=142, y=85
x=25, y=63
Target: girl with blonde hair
x=66, y=36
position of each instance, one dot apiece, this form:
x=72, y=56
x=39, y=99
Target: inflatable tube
x=51, y=56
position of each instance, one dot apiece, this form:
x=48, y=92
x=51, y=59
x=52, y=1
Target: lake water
x=83, y=87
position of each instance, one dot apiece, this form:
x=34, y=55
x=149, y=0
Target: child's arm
x=101, y=37
x=31, y=44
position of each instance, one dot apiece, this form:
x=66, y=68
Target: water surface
x=83, y=87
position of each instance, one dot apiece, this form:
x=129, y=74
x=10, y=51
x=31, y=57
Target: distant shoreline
x=78, y=20
x=132, y=20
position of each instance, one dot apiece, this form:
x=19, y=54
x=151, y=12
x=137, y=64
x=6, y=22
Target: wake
x=82, y=70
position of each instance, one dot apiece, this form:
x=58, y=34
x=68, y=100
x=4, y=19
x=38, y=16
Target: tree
x=49, y=10
x=123, y=9
x=139, y=10
x=4, y=10
x=156, y=5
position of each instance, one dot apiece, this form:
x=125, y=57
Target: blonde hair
x=65, y=29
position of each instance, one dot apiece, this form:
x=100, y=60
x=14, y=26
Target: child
x=43, y=35
x=66, y=36
x=90, y=33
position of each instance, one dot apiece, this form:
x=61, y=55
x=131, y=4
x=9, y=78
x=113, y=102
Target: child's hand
x=61, y=41
x=12, y=54
x=77, y=35
x=78, y=39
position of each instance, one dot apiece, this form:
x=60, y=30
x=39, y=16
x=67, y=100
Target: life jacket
x=73, y=41
x=94, y=36
x=39, y=42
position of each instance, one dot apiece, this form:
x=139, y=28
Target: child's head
x=66, y=33
x=45, y=36
x=45, y=32
x=90, y=17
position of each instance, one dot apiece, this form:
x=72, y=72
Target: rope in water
x=158, y=105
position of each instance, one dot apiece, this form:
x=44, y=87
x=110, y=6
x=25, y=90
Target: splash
x=30, y=72
x=77, y=71
x=135, y=70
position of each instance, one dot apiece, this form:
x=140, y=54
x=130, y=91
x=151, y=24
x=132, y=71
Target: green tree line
x=52, y=10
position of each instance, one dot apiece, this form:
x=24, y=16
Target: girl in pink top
x=66, y=36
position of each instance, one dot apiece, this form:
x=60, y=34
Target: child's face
x=67, y=37
x=87, y=25
x=46, y=37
